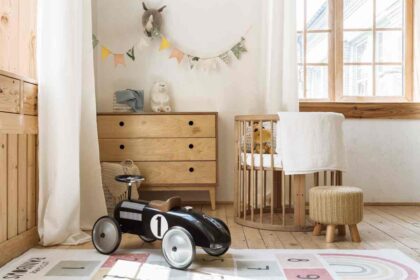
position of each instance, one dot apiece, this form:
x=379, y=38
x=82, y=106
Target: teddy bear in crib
x=262, y=139
x=159, y=101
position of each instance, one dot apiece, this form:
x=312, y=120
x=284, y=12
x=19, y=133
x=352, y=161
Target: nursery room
x=198, y=139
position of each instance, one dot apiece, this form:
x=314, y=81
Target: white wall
x=201, y=27
x=384, y=155
x=384, y=159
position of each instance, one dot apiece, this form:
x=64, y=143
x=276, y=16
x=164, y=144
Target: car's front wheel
x=178, y=248
x=106, y=235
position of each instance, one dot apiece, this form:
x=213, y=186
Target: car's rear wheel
x=178, y=248
x=216, y=252
x=106, y=235
x=147, y=239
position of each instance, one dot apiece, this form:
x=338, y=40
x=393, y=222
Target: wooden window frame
x=335, y=56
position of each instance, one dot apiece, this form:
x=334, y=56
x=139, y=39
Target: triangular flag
x=177, y=54
x=119, y=59
x=194, y=61
x=239, y=48
x=105, y=52
x=95, y=41
x=226, y=58
x=131, y=54
x=164, y=44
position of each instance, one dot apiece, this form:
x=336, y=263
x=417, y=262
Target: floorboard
x=383, y=227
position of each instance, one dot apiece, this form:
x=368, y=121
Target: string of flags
x=194, y=62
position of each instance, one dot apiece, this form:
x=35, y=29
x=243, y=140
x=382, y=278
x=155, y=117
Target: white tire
x=178, y=248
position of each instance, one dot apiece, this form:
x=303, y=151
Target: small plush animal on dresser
x=159, y=101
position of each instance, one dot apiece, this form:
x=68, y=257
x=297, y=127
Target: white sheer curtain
x=278, y=64
x=70, y=187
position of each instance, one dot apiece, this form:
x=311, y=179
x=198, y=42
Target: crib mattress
x=257, y=160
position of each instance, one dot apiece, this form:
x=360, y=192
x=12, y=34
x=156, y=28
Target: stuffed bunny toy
x=152, y=21
x=159, y=101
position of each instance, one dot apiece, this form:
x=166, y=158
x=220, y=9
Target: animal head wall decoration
x=152, y=21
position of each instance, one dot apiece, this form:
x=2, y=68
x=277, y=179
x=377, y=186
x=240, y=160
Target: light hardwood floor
x=384, y=227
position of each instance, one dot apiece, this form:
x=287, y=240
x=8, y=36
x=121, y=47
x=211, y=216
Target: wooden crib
x=264, y=197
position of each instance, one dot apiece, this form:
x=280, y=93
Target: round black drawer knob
x=122, y=147
x=122, y=123
x=190, y=123
x=190, y=146
x=191, y=169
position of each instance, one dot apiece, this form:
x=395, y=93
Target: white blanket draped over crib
x=311, y=142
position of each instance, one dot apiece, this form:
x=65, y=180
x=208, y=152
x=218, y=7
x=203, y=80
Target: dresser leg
x=212, y=194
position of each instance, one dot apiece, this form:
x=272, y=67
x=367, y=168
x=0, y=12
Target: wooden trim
x=154, y=113
x=366, y=110
x=409, y=50
x=18, y=245
x=229, y=202
x=18, y=77
x=18, y=124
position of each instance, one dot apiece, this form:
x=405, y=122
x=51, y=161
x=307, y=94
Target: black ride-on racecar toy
x=179, y=228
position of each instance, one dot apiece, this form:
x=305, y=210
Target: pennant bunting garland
x=164, y=43
x=105, y=52
x=177, y=54
x=193, y=61
x=119, y=59
x=131, y=54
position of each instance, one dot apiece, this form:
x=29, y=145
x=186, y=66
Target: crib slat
x=245, y=174
x=332, y=178
x=316, y=179
x=237, y=180
x=252, y=173
x=283, y=198
x=325, y=178
x=261, y=173
x=272, y=175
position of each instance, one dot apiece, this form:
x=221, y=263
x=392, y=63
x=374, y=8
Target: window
x=355, y=50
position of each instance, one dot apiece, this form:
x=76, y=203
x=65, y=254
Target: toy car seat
x=165, y=206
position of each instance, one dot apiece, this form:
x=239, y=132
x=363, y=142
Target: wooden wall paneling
x=12, y=185
x=31, y=181
x=27, y=38
x=22, y=182
x=3, y=187
x=30, y=98
x=9, y=94
x=9, y=35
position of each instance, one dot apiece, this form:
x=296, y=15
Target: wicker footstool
x=336, y=207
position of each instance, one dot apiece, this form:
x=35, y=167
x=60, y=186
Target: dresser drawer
x=9, y=95
x=192, y=172
x=149, y=126
x=30, y=99
x=158, y=149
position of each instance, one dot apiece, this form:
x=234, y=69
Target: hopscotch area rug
x=69, y=264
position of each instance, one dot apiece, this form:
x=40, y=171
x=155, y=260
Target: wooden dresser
x=18, y=165
x=174, y=151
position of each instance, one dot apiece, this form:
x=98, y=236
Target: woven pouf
x=336, y=207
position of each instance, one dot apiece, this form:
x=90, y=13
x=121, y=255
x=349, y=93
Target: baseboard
x=224, y=202
x=392, y=203
x=206, y=202
x=18, y=245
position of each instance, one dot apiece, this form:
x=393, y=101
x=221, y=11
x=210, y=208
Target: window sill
x=400, y=110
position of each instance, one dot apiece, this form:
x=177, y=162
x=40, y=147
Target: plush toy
x=159, y=101
x=262, y=139
x=152, y=21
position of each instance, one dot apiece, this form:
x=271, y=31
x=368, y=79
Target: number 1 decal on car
x=158, y=225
